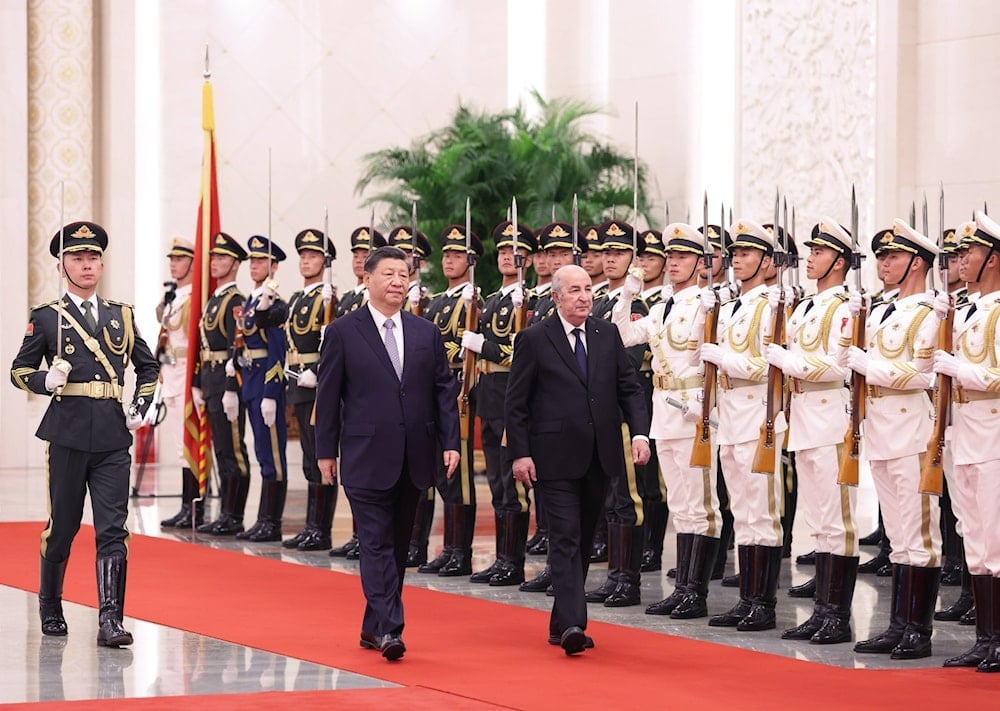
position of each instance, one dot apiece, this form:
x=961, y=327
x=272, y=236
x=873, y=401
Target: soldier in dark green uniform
x=88, y=341
x=493, y=340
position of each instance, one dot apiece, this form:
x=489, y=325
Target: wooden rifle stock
x=238, y=344
x=701, y=450
x=465, y=414
x=764, y=458
x=932, y=470
x=848, y=473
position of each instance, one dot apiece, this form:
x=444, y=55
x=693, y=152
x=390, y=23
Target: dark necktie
x=88, y=316
x=666, y=308
x=737, y=305
x=580, y=351
x=888, y=312
x=809, y=305
x=971, y=310
x=391, y=348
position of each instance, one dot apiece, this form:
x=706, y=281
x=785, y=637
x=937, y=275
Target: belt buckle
x=724, y=382
x=97, y=390
x=960, y=397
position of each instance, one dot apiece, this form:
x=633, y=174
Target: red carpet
x=470, y=648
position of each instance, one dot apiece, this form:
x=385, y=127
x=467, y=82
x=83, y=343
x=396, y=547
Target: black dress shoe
x=951, y=573
x=354, y=553
x=573, y=640
x=731, y=581
x=806, y=558
x=507, y=575
x=540, y=547
x=872, y=566
x=432, y=567
x=969, y=618
x=315, y=540
x=806, y=589
x=342, y=551
x=540, y=583
x=555, y=640
x=650, y=561
x=599, y=553
x=53, y=622
x=672, y=573
x=483, y=576
x=392, y=647
x=369, y=640
x=872, y=539
x=416, y=556
x=295, y=540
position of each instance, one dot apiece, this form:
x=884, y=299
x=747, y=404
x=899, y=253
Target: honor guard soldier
x=262, y=365
x=900, y=339
x=363, y=241
x=673, y=330
x=447, y=311
x=592, y=263
x=217, y=392
x=493, y=341
x=303, y=331
x=744, y=330
x=975, y=380
x=172, y=353
x=542, y=265
x=87, y=341
x=818, y=395
x=624, y=516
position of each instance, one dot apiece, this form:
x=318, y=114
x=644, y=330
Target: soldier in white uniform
x=818, y=395
x=673, y=329
x=901, y=337
x=755, y=499
x=975, y=487
x=174, y=316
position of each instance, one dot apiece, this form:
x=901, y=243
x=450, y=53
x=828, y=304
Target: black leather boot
x=685, y=543
x=234, y=503
x=346, y=549
x=295, y=540
x=225, y=482
x=725, y=540
x=626, y=592
x=656, y=527
x=324, y=505
x=916, y=640
x=599, y=550
x=50, y=588
x=836, y=627
x=512, y=554
x=420, y=538
x=540, y=583
x=766, y=566
x=732, y=617
x=434, y=566
x=984, y=625
x=694, y=604
x=614, y=541
x=483, y=576
x=184, y=515
x=884, y=643
x=111, y=573
x=991, y=664
x=821, y=585
x=269, y=514
x=964, y=603
x=460, y=562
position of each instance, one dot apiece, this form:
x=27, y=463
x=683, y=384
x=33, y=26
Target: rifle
x=329, y=306
x=471, y=324
x=701, y=450
x=417, y=309
x=932, y=471
x=577, y=254
x=848, y=473
x=162, y=352
x=519, y=263
x=764, y=458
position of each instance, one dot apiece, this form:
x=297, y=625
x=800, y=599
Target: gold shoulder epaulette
x=120, y=303
x=843, y=296
x=42, y=306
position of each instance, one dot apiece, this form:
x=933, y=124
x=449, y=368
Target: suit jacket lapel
x=409, y=343
x=366, y=327
x=558, y=337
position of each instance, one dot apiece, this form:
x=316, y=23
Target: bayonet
x=925, y=229
x=635, y=185
x=576, y=232
x=62, y=268
x=913, y=215
x=666, y=212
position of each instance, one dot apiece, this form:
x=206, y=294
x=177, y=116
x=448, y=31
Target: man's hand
x=414, y=295
x=468, y=294
x=945, y=363
x=524, y=471
x=198, y=399
x=450, y=458
x=941, y=302
x=726, y=292
x=230, y=369
x=269, y=411
x=328, y=293
x=712, y=353
x=640, y=451
x=633, y=285
x=58, y=374
x=691, y=414
x=472, y=341
x=855, y=302
x=775, y=355
x=517, y=297
x=857, y=360
x=133, y=421
x=328, y=470
x=231, y=405
x=307, y=379
x=707, y=299
x=267, y=296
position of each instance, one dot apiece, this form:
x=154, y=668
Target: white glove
x=945, y=363
x=857, y=360
x=58, y=374
x=269, y=411
x=329, y=292
x=307, y=379
x=231, y=405
x=517, y=297
x=632, y=286
x=855, y=302
x=468, y=293
x=133, y=421
x=413, y=295
x=774, y=294
x=267, y=296
x=942, y=303
x=708, y=299
x=198, y=398
x=691, y=414
x=667, y=291
x=230, y=369
x=727, y=292
x=472, y=341
x=775, y=355
x=712, y=353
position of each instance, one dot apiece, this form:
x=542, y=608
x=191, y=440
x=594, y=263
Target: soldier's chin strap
x=829, y=269
x=759, y=265
x=909, y=266
x=982, y=267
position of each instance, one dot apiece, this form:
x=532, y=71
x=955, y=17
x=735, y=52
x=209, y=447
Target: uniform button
x=902, y=409
x=97, y=377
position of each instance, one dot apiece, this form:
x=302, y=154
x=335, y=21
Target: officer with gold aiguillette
x=88, y=341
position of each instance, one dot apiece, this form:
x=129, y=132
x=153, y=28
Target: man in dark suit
x=387, y=404
x=571, y=386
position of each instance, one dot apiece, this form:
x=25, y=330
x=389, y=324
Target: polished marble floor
x=40, y=668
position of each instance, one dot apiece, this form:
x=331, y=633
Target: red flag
x=196, y=431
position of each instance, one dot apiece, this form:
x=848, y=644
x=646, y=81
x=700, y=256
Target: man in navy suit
x=571, y=386
x=387, y=404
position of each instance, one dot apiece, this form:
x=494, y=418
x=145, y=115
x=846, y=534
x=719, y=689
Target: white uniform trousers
x=755, y=500
x=975, y=493
x=692, y=496
x=912, y=519
x=827, y=507
x=171, y=432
